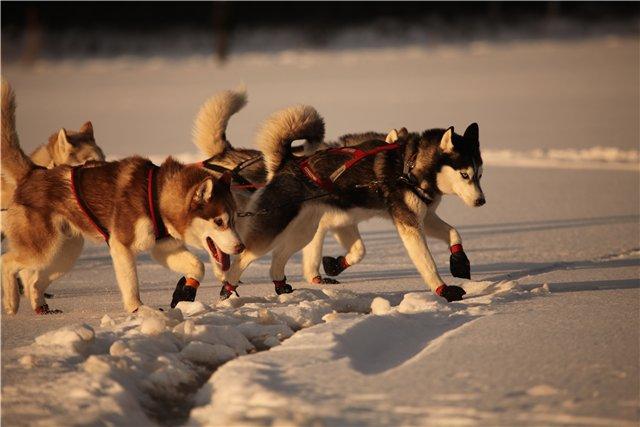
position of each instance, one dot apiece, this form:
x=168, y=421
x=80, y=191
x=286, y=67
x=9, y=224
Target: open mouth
x=221, y=258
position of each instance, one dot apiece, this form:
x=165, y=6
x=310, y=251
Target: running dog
x=404, y=180
x=248, y=171
x=132, y=204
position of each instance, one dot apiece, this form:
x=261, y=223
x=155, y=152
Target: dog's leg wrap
x=282, y=287
x=185, y=290
x=44, y=309
x=227, y=290
x=450, y=293
x=459, y=263
x=334, y=266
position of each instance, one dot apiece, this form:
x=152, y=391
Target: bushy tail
x=211, y=122
x=284, y=127
x=15, y=164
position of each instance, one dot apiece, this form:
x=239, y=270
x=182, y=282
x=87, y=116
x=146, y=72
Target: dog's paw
x=284, y=289
x=227, y=290
x=459, y=265
x=451, y=293
x=44, y=309
x=319, y=280
x=183, y=292
x=334, y=266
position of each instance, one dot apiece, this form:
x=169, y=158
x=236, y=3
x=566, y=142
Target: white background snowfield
x=546, y=335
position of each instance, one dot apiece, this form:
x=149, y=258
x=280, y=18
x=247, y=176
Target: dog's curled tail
x=15, y=164
x=284, y=127
x=211, y=122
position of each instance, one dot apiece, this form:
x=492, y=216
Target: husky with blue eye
x=210, y=137
x=403, y=181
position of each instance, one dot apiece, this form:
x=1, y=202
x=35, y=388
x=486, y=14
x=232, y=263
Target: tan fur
x=45, y=217
x=15, y=164
x=212, y=120
x=284, y=127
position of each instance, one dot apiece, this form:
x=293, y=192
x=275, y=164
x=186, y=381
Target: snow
x=546, y=335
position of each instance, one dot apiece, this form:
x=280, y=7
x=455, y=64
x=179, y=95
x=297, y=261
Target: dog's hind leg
x=350, y=239
x=11, y=296
x=295, y=237
x=37, y=281
x=311, y=256
x=124, y=264
x=173, y=255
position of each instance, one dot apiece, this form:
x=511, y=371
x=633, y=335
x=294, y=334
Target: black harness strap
x=243, y=183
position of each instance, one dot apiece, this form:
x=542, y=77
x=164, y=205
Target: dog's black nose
x=480, y=201
x=239, y=248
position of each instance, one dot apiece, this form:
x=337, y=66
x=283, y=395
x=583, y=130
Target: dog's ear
x=392, y=137
x=472, y=133
x=63, y=146
x=87, y=128
x=446, y=143
x=204, y=191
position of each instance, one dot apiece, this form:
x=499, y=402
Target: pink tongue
x=224, y=259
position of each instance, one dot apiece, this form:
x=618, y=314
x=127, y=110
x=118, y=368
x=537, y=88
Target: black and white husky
x=405, y=183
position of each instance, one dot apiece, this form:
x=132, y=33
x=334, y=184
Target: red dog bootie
x=319, y=280
x=334, y=266
x=450, y=293
x=227, y=290
x=185, y=291
x=282, y=287
x=459, y=263
x=44, y=309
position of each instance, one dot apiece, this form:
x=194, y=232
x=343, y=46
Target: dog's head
x=461, y=165
x=75, y=148
x=202, y=210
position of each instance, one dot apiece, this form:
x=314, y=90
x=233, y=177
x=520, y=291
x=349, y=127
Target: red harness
x=160, y=230
x=356, y=156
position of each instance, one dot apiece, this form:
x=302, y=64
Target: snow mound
x=164, y=357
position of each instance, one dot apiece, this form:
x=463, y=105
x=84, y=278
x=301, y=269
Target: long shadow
x=397, y=338
x=517, y=227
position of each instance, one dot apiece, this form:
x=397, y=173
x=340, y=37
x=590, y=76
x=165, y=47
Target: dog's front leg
x=411, y=232
x=175, y=256
x=459, y=264
x=124, y=264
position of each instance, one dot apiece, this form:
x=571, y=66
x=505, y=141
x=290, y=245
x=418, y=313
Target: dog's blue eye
x=464, y=175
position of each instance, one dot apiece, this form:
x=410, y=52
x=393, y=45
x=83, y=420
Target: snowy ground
x=548, y=334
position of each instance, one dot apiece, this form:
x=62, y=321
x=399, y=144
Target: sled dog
x=66, y=147
x=249, y=173
x=132, y=204
x=404, y=181
x=247, y=165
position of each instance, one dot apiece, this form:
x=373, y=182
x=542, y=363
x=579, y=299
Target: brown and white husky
x=117, y=204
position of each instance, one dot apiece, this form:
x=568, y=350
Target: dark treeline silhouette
x=152, y=16
x=32, y=29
